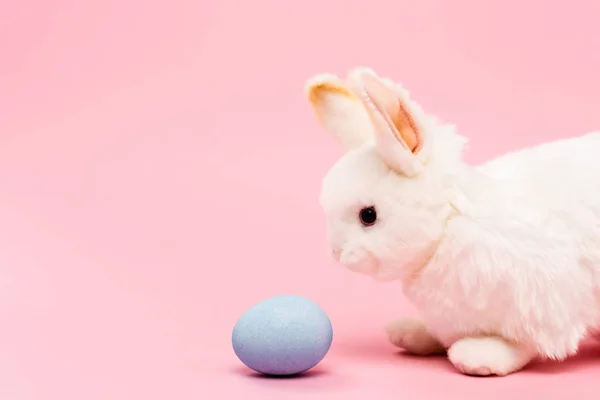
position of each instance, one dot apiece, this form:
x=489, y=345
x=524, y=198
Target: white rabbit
x=501, y=259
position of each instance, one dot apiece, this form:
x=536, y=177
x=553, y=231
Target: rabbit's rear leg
x=412, y=336
x=482, y=356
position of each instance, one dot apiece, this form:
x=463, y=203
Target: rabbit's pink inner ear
x=395, y=113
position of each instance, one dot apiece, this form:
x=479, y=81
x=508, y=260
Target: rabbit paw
x=412, y=336
x=483, y=356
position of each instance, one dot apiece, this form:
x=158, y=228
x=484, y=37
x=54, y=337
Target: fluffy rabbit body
x=501, y=259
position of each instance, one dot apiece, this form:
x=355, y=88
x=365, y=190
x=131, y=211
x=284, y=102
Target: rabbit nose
x=336, y=252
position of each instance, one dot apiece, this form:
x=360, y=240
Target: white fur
x=502, y=259
x=488, y=355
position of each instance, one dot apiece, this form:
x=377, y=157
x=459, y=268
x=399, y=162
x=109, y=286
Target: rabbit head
x=388, y=198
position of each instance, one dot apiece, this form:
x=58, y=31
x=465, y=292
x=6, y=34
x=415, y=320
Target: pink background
x=159, y=173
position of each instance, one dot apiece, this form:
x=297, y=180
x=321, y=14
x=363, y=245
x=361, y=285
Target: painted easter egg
x=282, y=335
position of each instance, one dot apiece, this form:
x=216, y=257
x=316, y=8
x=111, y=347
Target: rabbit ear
x=398, y=124
x=339, y=111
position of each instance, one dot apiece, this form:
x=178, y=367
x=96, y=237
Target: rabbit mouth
x=363, y=262
x=367, y=267
x=358, y=260
x=372, y=267
x=376, y=270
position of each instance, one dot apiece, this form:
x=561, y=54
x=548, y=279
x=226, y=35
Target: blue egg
x=282, y=335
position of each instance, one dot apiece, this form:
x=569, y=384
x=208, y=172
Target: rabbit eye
x=368, y=216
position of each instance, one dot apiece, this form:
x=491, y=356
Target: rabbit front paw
x=483, y=356
x=412, y=336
